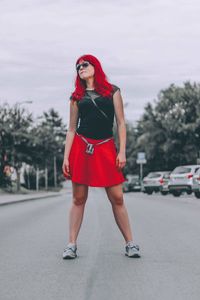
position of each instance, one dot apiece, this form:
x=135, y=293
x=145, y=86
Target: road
x=33, y=236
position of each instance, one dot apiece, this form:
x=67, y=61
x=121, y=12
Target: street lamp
x=17, y=108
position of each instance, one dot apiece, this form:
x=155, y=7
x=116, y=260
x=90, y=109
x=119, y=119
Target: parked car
x=135, y=185
x=156, y=182
x=181, y=179
x=132, y=184
x=164, y=189
x=196, y=183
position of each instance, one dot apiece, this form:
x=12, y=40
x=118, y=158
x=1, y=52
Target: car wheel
x=176, y=193
x=197, y=194
x=189, y=192
x=164, y=193
x=149, y=192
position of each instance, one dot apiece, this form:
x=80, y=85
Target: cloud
x=143, y=46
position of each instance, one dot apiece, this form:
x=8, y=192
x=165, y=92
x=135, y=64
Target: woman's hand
x=120, y=160
x=65, y=168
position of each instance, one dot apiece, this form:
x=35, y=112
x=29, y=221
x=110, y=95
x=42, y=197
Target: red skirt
x=98, y=169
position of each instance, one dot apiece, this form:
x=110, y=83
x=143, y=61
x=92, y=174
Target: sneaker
x=70, y=251
x=132, y=250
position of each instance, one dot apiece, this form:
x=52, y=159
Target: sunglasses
x=85, y=64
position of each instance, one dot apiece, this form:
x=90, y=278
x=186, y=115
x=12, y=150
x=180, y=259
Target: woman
x=90, y=157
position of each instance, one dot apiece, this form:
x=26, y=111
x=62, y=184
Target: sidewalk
x=6, y=199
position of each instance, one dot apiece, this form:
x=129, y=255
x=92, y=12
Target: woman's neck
x=90, y=84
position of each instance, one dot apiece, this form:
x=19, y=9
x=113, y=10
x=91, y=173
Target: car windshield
x=132, y=178
x=182, y=170
x=166, y=176
x=153, y=175
x=197, y=172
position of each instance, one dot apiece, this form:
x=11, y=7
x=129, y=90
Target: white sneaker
x=70, y=251
x=132, y=250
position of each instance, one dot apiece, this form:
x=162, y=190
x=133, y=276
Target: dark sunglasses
x=85, y=64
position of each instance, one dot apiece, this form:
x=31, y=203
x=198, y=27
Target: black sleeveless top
x=92, y=123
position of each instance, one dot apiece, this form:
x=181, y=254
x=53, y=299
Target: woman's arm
x=121, y=127
x=73, y=119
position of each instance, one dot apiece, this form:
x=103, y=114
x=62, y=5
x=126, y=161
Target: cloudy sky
x=143, y=46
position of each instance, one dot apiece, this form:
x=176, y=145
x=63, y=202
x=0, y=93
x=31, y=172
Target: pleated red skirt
x=98, y=169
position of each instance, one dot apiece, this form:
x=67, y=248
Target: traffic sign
x=141, y=155
x=141, y=161
x=141, y=158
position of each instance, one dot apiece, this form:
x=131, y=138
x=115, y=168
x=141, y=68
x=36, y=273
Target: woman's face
x=85, y=70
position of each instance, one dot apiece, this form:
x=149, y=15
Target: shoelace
x=69, y=248
x=133, y=246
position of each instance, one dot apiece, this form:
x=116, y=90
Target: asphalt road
x=33, y=236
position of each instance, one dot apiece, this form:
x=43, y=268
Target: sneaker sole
x=134, y=255
x=69, y=257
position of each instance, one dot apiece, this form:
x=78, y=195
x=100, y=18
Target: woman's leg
x=80, y=194
x=115, y=195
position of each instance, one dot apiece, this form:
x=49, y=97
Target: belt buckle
x=90, y=149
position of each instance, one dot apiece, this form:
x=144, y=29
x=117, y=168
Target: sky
x=143, y=46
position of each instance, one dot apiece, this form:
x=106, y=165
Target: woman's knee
x=115, y=194
x=117, y=200
x=79, y=200
x=80, y=194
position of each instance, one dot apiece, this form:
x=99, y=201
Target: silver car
x=132, y=183
x=164, y=189
x=196, y=183
x=181, y=179
x=155, y=182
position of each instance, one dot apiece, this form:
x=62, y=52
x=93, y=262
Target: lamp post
x=18, y=169
x=55, y=171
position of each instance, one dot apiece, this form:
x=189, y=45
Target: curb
x=31, y=199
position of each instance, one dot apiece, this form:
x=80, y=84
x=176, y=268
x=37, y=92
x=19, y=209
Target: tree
x=169, y=132
x=41, y=145
x=47, y=147
x=15, y=123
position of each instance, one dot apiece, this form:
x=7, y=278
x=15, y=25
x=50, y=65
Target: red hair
x=101, y=84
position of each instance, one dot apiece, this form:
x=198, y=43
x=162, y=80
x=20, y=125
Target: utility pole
x=46, y=177
x=55, y=171
x=37, y=179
